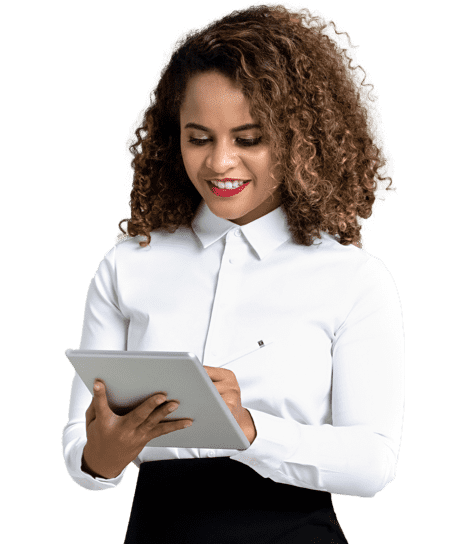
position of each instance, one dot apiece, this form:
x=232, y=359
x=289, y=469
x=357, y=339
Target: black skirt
x=220, y=501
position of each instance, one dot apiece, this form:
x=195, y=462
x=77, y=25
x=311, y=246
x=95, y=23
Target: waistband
x=220, y=483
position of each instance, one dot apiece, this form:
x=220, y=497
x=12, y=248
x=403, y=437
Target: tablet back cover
x=132, y=376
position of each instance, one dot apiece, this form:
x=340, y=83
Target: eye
x=245, y=142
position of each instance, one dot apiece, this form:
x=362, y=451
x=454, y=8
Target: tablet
x=132, y=376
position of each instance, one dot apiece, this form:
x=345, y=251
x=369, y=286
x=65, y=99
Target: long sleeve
x=357, y=453
x=104, y=327
x=314, y=336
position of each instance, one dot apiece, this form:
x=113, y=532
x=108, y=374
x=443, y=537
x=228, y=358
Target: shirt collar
x=264, y=234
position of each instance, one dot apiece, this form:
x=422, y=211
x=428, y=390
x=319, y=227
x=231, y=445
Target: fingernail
x=96, y=386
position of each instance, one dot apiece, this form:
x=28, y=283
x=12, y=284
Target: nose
x=221, y=157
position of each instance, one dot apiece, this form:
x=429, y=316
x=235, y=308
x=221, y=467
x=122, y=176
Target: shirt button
x=238, y=232
x=211, y=453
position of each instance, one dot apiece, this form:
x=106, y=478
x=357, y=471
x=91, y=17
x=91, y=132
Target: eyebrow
x=247, y=126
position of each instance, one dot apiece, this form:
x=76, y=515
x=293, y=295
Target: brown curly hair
x=301, y=89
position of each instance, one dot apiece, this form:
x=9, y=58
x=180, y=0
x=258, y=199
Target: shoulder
x=351, y=255
x=122, y=250
x=355, y=265
x=127, y=249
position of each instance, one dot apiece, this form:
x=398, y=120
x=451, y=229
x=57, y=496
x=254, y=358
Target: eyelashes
x=245, y=142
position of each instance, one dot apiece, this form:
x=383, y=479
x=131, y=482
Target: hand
x=227, y=385
x=114, y=441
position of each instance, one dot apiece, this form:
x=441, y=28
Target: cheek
x=192, y=160
x=260, y=162
x=187, y=159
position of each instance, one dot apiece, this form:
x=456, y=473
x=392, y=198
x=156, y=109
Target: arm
x=248, y=426
x=357, y=453
x=85, y=468
x=104, y=327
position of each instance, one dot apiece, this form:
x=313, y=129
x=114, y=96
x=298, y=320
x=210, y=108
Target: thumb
x=101, y=405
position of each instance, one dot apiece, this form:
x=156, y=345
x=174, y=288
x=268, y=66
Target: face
x=215, y=144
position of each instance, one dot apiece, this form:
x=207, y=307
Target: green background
x=77, y=74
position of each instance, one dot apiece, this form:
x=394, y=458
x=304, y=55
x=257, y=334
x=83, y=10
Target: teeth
x=227, y=184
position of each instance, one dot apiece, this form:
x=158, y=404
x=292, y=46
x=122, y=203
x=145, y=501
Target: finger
x=101, y=405
x=169, y=427
x=159, y=416
x=217, y=373
x=156, y=424
x=143, y=411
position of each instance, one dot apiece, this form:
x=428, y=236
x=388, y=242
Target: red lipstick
x=227, y=179
x=228, y=192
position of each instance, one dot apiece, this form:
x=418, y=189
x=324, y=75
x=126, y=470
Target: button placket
x=227, y=282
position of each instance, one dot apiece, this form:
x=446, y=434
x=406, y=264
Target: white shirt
x=325, y=392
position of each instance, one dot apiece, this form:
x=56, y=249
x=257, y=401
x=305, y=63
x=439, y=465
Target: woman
x=251, y=168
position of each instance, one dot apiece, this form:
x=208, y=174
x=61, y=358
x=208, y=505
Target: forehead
x=216, y=98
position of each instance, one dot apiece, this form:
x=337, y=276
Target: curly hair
x=301, y=89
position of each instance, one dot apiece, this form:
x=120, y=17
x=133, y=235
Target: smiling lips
x=227, y=179
x=228, y=184
x=230, y=191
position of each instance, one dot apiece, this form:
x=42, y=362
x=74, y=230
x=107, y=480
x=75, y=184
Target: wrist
x=249, y=428
x=98, y=473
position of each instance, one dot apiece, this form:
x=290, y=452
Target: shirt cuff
x=350, y=460
x=74, y=453
x=277, y=439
